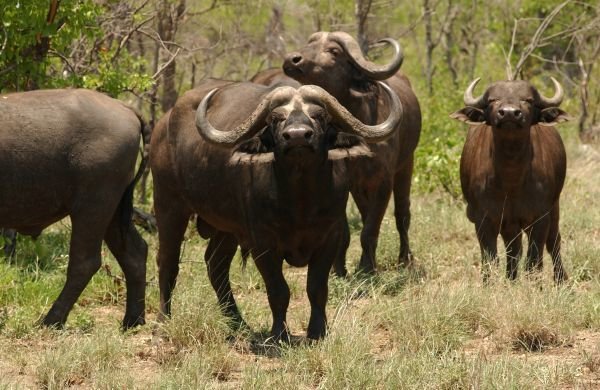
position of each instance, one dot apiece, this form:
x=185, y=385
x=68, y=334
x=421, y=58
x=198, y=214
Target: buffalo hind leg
x=172, y=222
x=512, y=237
x=131, y=252
x=84, y=262
x=218, y=256
x=553, y=246
x=402, y=184
x=278, y=292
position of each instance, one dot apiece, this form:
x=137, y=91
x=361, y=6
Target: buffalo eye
x=334, y=51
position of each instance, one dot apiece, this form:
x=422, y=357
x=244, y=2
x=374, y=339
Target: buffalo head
x=290, y=121
x=512, y=104
x=335, y=62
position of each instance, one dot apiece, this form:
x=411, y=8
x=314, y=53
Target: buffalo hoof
x=52, y=323
x=316, y=334
x=407, y=261
x=132, y=322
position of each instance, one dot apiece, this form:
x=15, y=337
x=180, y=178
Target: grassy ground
x=433, y=327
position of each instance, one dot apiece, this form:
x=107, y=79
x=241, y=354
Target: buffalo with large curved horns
x=512, y=171
x=262, y=167
x=334, y=61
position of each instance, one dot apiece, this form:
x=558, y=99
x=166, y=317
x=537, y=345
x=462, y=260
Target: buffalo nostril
x=518, y=113
x=501, y=112
x=296, y=59
x=308, y=134
x=286, y=136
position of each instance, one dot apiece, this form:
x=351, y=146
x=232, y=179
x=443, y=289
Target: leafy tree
x=63, y=43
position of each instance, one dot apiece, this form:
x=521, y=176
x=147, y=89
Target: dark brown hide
x=273, y=76
x=277, y=193
x=73, y=153
x=326, y=63
x=512, y=171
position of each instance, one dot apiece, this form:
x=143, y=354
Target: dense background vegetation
x=432, y=327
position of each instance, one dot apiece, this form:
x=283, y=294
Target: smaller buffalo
x=72, y=152
x=512, y=171
x=270, y=180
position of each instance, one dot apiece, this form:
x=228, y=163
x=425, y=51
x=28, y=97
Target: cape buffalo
x=73, y=153
x=512, y=171
x=335, y=62
x=270, y=181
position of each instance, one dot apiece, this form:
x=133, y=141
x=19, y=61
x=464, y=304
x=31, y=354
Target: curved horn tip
x=555, y=100
x=468, y=95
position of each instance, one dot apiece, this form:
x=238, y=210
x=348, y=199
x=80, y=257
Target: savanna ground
x=432, y=327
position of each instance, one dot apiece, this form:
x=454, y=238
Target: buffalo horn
x=470, y=101
x=555, y=100
x=246, y=129
x=342, y=117
x=372, y=70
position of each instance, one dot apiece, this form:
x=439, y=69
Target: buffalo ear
x=470, y=115
x=254, y=150
x=345, y=145
x=552, y=115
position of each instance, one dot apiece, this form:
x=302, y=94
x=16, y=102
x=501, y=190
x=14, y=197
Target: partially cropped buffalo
x=73, y=153
x=262, y=167
x=512, y=171
x=335, y=62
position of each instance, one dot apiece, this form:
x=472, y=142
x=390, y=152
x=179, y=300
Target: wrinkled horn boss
x=342, y=117
x=246, y=129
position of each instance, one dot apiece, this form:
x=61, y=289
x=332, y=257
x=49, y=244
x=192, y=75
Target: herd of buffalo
x=267, y=165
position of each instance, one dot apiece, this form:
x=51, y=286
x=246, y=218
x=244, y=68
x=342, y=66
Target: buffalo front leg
x=131, y=252
x=84, y=262
x=317, y=289
x=219, y=253
x=487, y=234
x=537, y=235
x=372, y=204
x=10, y=241
x=512, y=237
x=402, y=184
x=278, y=292
x=553, y=246
x=339, y=262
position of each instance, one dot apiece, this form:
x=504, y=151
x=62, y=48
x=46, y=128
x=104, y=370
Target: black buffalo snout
x=510, y=113
x=297, y=135
x=292, y=61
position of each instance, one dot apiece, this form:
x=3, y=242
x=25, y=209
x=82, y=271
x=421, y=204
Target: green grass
x=432, y=327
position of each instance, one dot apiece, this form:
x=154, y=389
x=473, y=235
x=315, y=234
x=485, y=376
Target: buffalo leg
x=172, y=222
x=278, y=292
x=537, y=235
x=131, y=252
x=219, y=253
x=317, y=289
x=84, y=262
x=339, y=263
x=10, y=241
x=372, y=206
x=402, y=183
x=487, y=234
x=553, y=246
x=512, y=237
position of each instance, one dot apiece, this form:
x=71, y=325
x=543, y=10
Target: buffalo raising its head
x=334, y=61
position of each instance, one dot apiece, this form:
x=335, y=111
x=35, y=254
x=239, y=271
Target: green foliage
x=37, y=54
